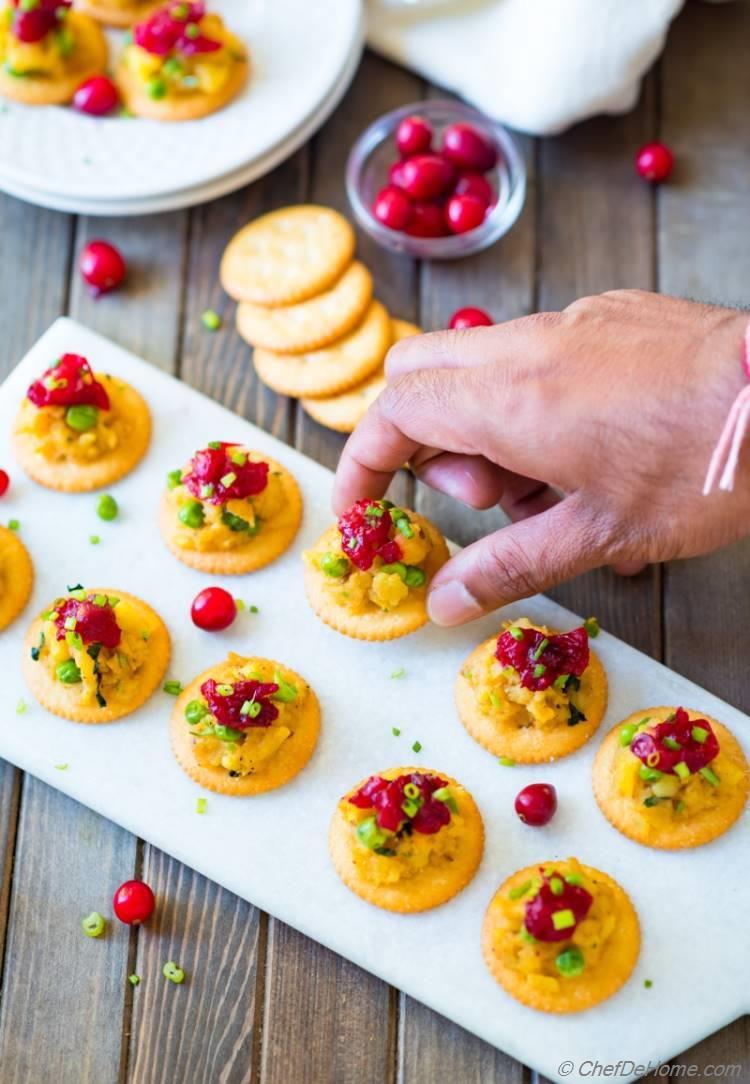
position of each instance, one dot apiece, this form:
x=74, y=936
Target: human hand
x=592, y=428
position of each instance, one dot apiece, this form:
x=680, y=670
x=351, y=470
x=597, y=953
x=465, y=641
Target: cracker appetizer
x=95, y=655
x=230, y=510
x=407, y=839
x=367, y=576
x=118, y=13
x=562, y=937
x=16, y=576
x=182, y=64
x=47, y=51
x=78, y=430
x=245, y=726
x=671, y=778
x=532, y=694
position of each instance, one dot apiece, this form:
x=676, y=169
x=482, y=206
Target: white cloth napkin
x=536, y=65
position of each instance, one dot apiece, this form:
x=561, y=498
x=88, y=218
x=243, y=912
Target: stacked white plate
x=303, y=57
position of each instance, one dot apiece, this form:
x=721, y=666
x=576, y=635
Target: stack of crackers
x=306, y=306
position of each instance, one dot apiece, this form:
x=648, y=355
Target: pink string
x=726, y=454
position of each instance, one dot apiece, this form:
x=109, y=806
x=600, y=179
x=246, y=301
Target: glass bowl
x=375, y=150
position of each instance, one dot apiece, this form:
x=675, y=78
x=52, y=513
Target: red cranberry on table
x=469, y=148
x=213, y=609
x=393, y=208
x=536, y=804
x=464, y=213
x=102, y=267
x=4, y=482
x=133, y=902
x=413, y=136
x=428, y=221
x=469, y=317
x=427, y=176
x=96, y=96
x=654, y=162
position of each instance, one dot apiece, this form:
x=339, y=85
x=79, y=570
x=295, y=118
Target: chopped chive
x=540, y=670
x=228, y=479
x=61, y=767
x=107, y=508
x=570, y=962
x=670, y=743
x=524, y=934
x=574, y=878
x=211, y=320
x=556, y=886
x=200, y=805
x=516, y=633
x=134, y=979
x=94, y=539
x=395, y=731
x=541, y=648
x=14, y=525
x=417, y=747
x=682, y=770
x=174, y=479
x=253, y=609
x=93, y=924
x=172, y=972
x=699, y=734
x=627, y=734
x=563, y=920
x=591, y=626
x=21, y=706
x=145, y=634
x=648, y=983
x=506, y=762
x=710, y=776
x=174, y=688
x=649, y=775
x=520, y=891
x=239, y=603
x=495, y=700
x=398, y=673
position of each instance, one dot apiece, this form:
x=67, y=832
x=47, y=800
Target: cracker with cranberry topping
x=532, y=694
x=287, y=256
x=561, y=937
x=332, y=369
x=16, y=576
x=245, y=726
x=230, y=510
x=95, y=655
x=63, y=56
x=671, y=778
x=310, y=324
x=344, y=411
x=367, y=576
x=118, y=13
x=78, y=430
x=407, y=839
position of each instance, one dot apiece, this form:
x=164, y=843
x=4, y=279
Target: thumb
x=518, y=561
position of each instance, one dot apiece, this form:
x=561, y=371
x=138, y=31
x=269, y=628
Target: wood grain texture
x=703, y=254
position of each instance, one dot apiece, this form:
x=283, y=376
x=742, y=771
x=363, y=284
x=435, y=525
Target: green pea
x=191, y=514
x=156, y=89
x=415, y=577
x=174, y=479
x=570, y=963
x=396, y=568
x=286, y=692
x=82, y=417
x=627, y=734
x=369, y=834
x=68, y=673
x=195, y=711
x=334, y=566
x=107, y=508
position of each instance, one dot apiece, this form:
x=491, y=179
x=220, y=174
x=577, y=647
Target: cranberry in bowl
x=436, y=180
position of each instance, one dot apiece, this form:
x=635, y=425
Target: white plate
x=190, y=197
x=272, y=850
x=298, y=51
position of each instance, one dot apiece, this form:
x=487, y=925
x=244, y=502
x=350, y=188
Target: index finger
x=371, y=456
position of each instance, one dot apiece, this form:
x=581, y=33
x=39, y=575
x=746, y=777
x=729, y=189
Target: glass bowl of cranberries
x=436, y=180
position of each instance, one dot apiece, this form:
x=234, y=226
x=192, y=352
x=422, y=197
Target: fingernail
x=452, y=604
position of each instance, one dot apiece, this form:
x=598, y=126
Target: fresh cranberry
x=94, y=623
x=469, y=148
x=213, y=609
x=649, y=747
x=216, y=477
x=538, y=659
x=475, y=184
x=175, y=26
x=469, y=317
x=396, y=174
x=428, y=221
x=365, y=534
x=536, y=804
x=413, y=136
x=102, y=267
x=393, y=208
x=464, y=213
x=133, y=902
x=654, y=162
x=4, y=482
x=69, y=382
x=427, y=176
x=388, y=798
x=227, y=707
x=96, y=96
x=556, y=894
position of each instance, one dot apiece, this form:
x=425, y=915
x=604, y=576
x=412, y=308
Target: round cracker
x=431, y=887
x=311, y=324
x=345, y=411
x=63, y=699
x=531, y=744
x=179, y=107
x=612, y=971
x=287, y=256
x=377, y=624
x=274, y=538
x=88, y=59
x=122, y=15
x=289, y=761
x=73, y=477
x=333, y=368
x=16, y=576
x=629, y=818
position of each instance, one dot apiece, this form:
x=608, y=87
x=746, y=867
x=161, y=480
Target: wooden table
x=262, y=1003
